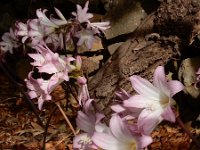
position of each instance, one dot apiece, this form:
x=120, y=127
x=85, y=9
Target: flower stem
x=46, y=127
x=66, y=118
x=181, y=124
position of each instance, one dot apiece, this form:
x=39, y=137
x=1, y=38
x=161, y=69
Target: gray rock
x=187, y=73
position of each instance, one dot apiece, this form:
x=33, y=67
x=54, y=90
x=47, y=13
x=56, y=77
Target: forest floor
x=19, y=128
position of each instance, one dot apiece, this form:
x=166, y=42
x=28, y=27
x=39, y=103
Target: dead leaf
x=91, y=64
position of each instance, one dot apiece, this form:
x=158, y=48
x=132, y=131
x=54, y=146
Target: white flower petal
x=85, y=122
x=59, y=14
x=143, y=141
x=160, y=81
x=175, y=87
x=138, y=101
x=168, y=114
x=148, y=120
x=118, y=108
x=102, y=128
x=119, y=129
x=107, y=142
x=144, y=87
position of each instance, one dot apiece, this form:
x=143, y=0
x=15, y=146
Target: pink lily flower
x=87, y=121
x=120, y=137
x=41, y=89
x=126, y=113
x=99, y=26
x=82, y=15
x=52, y=22
x=50, y=62
x=122, y=95
x=155, y=99
x=83, y=94
x=43, y=18
x=43, y=26
x=38, y=89
x=35, y=31
x=9, y=42
x=61, y=21
x=86, y=37
x=21, y=30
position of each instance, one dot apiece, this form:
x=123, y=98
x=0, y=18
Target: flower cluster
x=47, y=36
x=48, y=62
x=153, y=102
x=134, y=119
x=59, y=33
x=9, y=42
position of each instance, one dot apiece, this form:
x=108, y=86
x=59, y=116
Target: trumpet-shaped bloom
x=43, y=18
x=155, y=99
x=83, y=94
x=52, y=22
x=86, y=121
x=50, y=62
x=43, y=26
x=99, y=26
x=41, y=89
x=58, y=22
x=9, y=42
x=122, y=95
x=38, y=89
x=36, y=31
x=21, y=30
x=120, y=137
x=126, y=113
x=82, y=15
x=86, y=37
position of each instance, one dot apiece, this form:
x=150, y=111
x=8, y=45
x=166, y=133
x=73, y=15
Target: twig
x=63, y=139
x=66, y=118
x=7, y=99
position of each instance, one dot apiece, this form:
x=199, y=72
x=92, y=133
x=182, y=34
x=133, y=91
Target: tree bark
x=163, y=37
